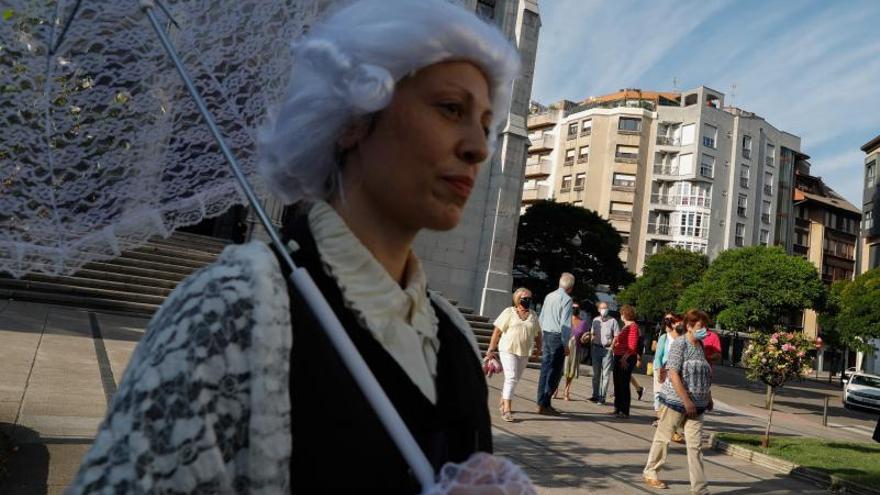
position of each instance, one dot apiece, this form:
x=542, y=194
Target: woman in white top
x=516, y=330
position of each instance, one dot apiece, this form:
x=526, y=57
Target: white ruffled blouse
x=401, y=319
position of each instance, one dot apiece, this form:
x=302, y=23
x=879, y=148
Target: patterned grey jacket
x=204, y=405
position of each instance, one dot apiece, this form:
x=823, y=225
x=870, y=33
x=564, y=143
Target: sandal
x=507, y=416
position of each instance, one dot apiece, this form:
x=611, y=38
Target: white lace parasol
x=101, y=146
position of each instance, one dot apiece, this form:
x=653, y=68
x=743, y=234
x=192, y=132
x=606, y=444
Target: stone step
x=476, y=318
x=173, y=243
x=481, y=325
x=123, y=264
x=197, y=239
x=131, y=270
x=32, y=286
x=103, y=275
x=78, y=301
x=100, y=281
x=181, y=261
x=169, y=250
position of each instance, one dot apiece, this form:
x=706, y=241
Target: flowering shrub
x=777, y=358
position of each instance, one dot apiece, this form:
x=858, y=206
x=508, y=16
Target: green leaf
x=7, y=14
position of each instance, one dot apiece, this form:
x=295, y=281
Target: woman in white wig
x=393, y=106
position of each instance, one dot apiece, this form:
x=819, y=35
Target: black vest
x=339, y=445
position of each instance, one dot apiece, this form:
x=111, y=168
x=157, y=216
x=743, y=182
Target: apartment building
x=667, y=169
x=869, y=245
x=869, y=251
x=826, y=231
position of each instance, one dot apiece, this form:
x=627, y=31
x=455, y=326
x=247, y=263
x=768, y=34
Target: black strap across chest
x=339, y=445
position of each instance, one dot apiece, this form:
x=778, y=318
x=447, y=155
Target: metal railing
x=658, y=228
x=626, y=157
x=768, y=189
x=587, y=131
x=670, y=200
x=667, y=170
x=667, y=141
x=747, y=154
x=768, y=160
x=623, y=183
x=744, y=182
x=765, y=217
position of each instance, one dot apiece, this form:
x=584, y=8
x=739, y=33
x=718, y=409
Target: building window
x=583, y=154
x=627, y=152
x=769, y=160
x=747, y=147
x=871, y=174
x=765, y=237
x=740, y=239
x=768, y=183
x=579, y=203
x=707, y=166
x=869, y=216
x=579, y=181
x=572, y=130
x=710, y=132
x=693, y=224
x=624, y=209
x=628, y=124
x=744, y=176
x=742, y=203
x=691, y=99
x=624, y=180
x=569, y=157
x=587, y=127
x=765, y=211
x=566, y=183
x=687, y=134
x=486, y=9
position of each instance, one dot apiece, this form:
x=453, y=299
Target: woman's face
x=418, y=164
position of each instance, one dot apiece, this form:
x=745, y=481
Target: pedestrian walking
x=625, y=353
x=381, y=133
x=603, y=330
x=712, y=347
x=578, y=347
x=640, y=353
x=513, y=339
x=685, y=396
x=671, y=326
x=556, y=330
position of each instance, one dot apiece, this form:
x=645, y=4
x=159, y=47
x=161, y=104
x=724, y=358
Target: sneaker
x=656, y=483
x=507, y=416
x=677, y=437
x=547, y=411
x=640, y=391
x=593, y=399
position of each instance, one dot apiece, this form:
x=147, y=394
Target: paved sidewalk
x=588, y=451
x=59, y=366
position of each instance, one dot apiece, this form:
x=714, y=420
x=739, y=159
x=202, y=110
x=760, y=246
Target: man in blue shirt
x=556, y=325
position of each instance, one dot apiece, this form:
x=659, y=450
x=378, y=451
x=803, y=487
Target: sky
x=809, y=67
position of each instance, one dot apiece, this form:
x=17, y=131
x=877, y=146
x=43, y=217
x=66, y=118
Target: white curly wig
x=347, y=67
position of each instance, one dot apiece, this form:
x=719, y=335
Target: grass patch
x=851, y=461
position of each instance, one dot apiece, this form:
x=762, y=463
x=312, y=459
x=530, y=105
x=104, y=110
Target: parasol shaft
x=303, y=282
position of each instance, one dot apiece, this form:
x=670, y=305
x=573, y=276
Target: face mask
x=700, y=333
x=603, y=312
x=525, y=302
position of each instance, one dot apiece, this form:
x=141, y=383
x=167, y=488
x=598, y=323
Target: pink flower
x=774, y=339
x=787, y=347
x=802, y=354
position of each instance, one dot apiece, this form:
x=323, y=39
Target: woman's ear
x=354, y=133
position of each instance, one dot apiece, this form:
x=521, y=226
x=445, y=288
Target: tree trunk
x=768, y=398
x=765, y=440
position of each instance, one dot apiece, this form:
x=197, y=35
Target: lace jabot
x=401, y=319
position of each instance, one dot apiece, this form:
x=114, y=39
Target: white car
x=862, y=390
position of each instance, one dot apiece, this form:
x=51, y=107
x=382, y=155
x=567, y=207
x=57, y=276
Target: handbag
x=650, y=369
x=491, y=366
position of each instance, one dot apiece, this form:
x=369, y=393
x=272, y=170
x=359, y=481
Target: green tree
x=755, y=287
x=664, y=278
x=828, y=318
x=858, y=319
x=554, y=238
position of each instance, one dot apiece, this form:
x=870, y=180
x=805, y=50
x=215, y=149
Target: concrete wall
x=472, y=263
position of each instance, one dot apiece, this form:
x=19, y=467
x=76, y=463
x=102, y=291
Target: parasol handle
x=303, y=282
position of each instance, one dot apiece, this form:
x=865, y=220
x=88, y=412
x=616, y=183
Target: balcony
x=568, y=162
x=626, y=185
x=670, y=171
x=768, y=160
x=768, y=190
x=741, y=211
x=744, y=182
x=535, y=193
x=747, y=154
x=765, y=217
x=801, y=222
x=667, y=141
x=631, y=132
x=586, y=132
x=709, y=142
x=800, y=250
x=540, y=168
x=583, y=158
x=545, y=142
x=620, y=215
x=662, y=200
x=739, y=241
x=626, y=157
x=571, y=135
x=659, y=229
